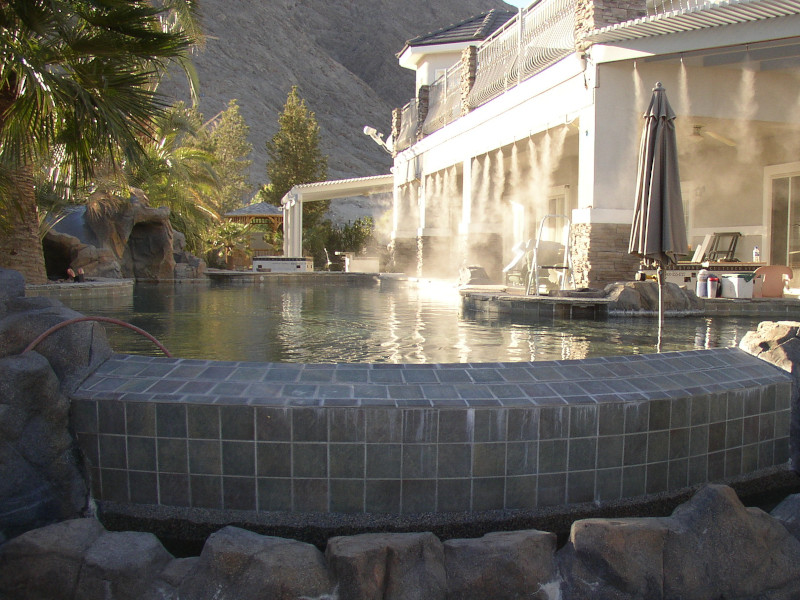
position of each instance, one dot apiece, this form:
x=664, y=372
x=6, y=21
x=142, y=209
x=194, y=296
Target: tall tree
x=77, y=81
x=231, y=150
x=295, y=157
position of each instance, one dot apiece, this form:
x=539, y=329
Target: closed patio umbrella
x=658, y=231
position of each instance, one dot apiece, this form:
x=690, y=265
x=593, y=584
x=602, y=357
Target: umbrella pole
x=660, y=275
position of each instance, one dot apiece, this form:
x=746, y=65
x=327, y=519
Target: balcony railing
x=444, y=103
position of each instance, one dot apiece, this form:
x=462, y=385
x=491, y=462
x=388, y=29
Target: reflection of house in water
x=544, y=116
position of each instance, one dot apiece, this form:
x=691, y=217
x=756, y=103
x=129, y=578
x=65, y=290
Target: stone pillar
x=594, y=14
x=423, y=99
x=397, y=123
x=600, y=254
x=469, y=69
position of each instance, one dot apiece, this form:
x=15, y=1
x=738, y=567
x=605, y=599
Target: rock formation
x=43, y=480
x=126, y=239
x=711, y=547
x=634, y=297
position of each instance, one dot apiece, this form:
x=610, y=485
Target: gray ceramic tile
x=274, y=494
x=382, y=496
x=206, y=491
x=582, y=454
x=171, y=420
x=346, y=496
x=488, y=493
x=205, y=457
x=383, y=461
x=203, y=421
x=454, y=495
x=172, y=455
x=140, y=419
x=347, y=461
x=239, y=493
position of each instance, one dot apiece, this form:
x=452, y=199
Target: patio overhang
x=292, y=203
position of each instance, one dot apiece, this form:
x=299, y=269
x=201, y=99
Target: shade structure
x=658, y=231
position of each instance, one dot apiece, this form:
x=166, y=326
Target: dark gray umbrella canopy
x=658, y=233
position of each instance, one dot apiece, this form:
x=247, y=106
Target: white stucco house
x=519, y=116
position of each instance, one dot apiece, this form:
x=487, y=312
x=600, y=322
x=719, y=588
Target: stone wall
x=600, y=254
x=594, y=14
x=710, y=547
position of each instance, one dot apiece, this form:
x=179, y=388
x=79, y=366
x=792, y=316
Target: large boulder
x=45, y=564
x=501, y=565
x=236, y=564
x=72, y=351
x=788, y=513
x=778, y=343
x=635, y=297
x=42, y=479
x=118, y=238
x=187, y=266
x=711, y=547
x=122, y=565
x=390, y=566
x=12, y=285
x=80, y=559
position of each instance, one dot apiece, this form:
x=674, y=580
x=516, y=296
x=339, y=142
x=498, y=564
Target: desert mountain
x=341, y=55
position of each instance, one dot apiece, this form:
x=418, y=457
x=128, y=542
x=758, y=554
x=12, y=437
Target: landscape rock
x=633, y=297
x=187, y=266
x=501, y=565
x=788, y=513
x=42, y=479
x=12, y=284
x=45, y=564
x=711, y=547
x=71, y=351
x=127, y=239
x=390, y=566
x=64, y=251
x=778, y=343
x=121, y=565
x=236, y=564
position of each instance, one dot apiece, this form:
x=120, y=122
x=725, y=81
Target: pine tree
x=295, y=157
x=231, y=150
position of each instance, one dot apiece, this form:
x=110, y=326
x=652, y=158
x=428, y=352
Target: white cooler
x=736, y=286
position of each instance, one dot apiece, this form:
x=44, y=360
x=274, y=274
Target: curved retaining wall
x=401, y=439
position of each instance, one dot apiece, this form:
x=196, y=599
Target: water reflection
x=337, y=323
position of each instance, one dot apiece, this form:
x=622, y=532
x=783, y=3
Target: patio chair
x=773, y=280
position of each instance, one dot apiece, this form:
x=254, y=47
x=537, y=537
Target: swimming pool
x=373, y=322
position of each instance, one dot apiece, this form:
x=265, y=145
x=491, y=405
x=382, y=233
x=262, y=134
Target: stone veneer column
x=600, y=254
x=594, y=14
x=469, y=69
x=397, y=123
x=423, y=101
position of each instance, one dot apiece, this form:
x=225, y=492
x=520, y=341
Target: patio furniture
x=773, y=280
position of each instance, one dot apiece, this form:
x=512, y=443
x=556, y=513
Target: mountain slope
x=341, y=55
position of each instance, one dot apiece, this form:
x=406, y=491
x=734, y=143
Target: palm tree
x=77, y=87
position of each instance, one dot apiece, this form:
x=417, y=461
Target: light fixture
x=378, y=139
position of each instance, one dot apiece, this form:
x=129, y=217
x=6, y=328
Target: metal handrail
x=63, y=324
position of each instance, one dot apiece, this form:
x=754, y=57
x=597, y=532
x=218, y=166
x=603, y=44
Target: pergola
x=324, y=190
x=261, y=213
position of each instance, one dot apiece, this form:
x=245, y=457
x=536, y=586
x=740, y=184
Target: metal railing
x=444, y=103
x=408, y=126
x=538, y=37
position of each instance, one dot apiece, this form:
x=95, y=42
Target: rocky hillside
x=341, y=55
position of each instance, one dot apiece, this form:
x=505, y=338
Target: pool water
x=374, y=323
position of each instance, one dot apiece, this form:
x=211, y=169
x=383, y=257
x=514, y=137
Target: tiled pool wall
x=380, y=438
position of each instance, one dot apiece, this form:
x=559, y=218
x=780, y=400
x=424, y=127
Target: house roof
x=708, y=14
x=475, y=28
